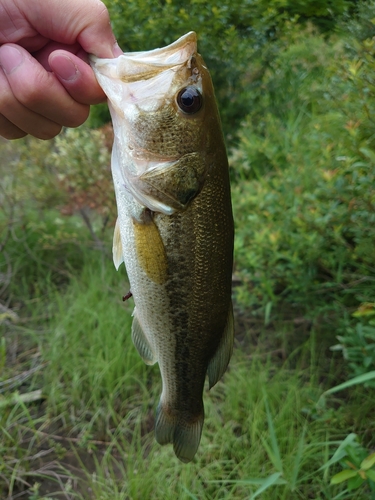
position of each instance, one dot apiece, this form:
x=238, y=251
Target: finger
x=97, y=37
x=9, y=131
x=85, y=21
x=77, y=77
x=42, y=55
x=39, y=90
x=17, y=121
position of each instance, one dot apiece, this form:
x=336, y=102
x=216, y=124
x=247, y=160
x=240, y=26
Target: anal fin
x=219, y=362
x=141, y=343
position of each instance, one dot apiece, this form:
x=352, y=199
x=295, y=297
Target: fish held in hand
x=174, y=230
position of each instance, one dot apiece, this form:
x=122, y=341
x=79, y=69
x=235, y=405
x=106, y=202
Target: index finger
x=38, y=90
x=84, y=21
x=77, y=77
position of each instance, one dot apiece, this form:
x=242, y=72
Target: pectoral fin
x=141, y=343
x=150, y=249
x=219, y=362
x=173, y=185
x=118, y=256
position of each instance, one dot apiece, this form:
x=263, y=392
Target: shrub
x=357, y=342
x=42, y=183
x=304, y=172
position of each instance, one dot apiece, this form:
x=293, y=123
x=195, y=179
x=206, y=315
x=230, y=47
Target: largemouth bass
x=175, y=227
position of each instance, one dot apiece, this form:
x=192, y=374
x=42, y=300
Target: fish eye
x=189, y=100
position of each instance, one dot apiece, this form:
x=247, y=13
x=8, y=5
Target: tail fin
x=183, y=431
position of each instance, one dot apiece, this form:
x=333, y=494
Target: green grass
x=266, y=434
x=91, y=360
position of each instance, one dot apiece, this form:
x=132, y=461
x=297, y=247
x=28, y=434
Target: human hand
x=45, y=79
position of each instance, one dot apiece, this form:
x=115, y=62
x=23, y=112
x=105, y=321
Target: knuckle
x=33, y=87
x=101, y=12
x=31, y=93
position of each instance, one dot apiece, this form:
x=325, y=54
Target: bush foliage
x=304, y=175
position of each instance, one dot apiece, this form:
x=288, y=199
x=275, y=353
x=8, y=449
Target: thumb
x=97, y=36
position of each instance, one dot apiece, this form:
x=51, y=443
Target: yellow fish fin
x=150, y=250
x=141, y=343
x=117, y=253
x=219, y=362
x=184, y=431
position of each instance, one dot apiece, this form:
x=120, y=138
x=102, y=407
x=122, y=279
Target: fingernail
x=116, y=50
x=64, y=68
x=10, y=58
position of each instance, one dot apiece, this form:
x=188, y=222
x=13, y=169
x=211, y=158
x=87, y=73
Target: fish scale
x=175, y=226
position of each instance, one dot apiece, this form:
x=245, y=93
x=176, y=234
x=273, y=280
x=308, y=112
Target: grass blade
x=361, y=379
x=190, y=495
x=275, y=451
x=298, y=459
x=269, y=481
x=17, y=398
x=340, y=452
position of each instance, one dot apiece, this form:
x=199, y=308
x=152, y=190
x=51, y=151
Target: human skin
x=45, y=79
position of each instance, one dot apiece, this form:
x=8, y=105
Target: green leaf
x=342, y=476
x=368, y=153
x=368, y=462
x=355, y=482
x=370, y=474
x=352, y=453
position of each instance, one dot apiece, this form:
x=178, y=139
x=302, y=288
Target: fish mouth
x=135, y=66
x=177, y=52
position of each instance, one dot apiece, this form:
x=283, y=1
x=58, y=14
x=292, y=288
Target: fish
x=175, y=228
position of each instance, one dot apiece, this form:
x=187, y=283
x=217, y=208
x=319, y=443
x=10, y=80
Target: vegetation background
x=293, y=418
